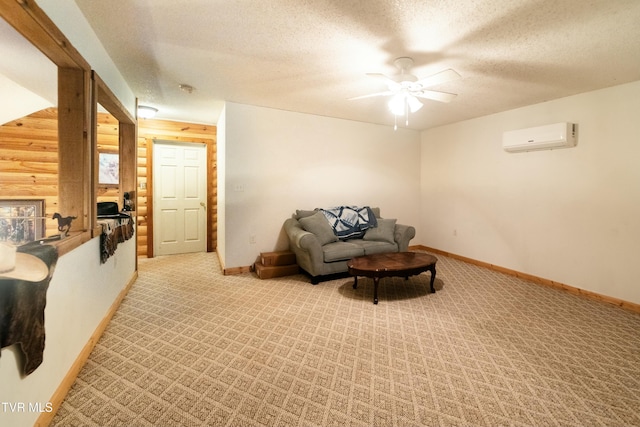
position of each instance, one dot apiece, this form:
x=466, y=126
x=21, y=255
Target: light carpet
x=191, y=347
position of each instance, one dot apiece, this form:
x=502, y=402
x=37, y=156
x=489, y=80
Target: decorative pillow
x=303, y=214
x=383, y=232
x=318, y=225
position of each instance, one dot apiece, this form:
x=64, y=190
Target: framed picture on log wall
x=108, y=169
x=21, y=221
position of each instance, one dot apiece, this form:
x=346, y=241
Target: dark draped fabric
x=114, y=231
x=22, y=306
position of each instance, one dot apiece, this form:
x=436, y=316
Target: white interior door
x=180, y=196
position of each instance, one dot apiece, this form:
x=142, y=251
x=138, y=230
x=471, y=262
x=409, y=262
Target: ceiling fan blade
x=435, y=95
x=435, y=79
x=388, y=92
x=391, y=83
x=380, y=76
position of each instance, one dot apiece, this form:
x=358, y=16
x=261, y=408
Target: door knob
x=203, y=205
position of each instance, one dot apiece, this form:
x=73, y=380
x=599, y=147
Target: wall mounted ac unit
x=557, y=135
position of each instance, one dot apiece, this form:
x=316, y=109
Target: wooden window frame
x=79, y=91
x=127, y=146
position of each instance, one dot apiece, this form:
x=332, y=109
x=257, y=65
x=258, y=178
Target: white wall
x=82, y=290
x=568, y=215
x=278, y=161
x=79, y=296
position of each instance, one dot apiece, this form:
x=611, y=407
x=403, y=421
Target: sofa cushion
x=383, y=232
x=371, y=247
x=318, y=225
x=340, y=251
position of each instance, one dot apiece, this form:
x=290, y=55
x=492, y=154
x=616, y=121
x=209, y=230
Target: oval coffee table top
x=395, y=263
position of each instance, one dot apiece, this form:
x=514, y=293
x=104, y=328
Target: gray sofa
x=320, y=253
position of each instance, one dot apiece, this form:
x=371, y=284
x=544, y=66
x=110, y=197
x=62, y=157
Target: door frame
x=212, y=199
x=183, y=246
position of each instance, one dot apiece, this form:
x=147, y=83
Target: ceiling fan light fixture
x=402, y=103
x=406, y=89
x=396, y=104
x=146, y=112
x=414, y=103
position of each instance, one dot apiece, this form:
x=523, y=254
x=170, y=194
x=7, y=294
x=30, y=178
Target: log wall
x=29, y=161
x=29, y=164
x=165, y=130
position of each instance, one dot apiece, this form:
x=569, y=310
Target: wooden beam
x=74, y=159
x=111, y=103
x=128, y=157
x=92, y=175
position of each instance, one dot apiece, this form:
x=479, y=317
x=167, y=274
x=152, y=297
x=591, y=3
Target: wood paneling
x=29, y=164
x=29, y=161
x=166, y=130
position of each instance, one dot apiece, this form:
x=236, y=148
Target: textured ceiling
x=310, y=56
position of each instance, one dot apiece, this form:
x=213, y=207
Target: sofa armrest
x=299, y=237
x=305, y=245
x=402, y=235
x=307, y=241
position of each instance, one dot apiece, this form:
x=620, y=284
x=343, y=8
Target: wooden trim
x=92, y=174
x=128, y=160
x=211, y=195
x=45, y=418
x=96, y=231
x=234, y=270
x=69, y=243
x=127, y=145
x=237, y=270
x=129, y=168
x=627, y=305
x=111, y=103
x=150, y=200
x=220, y=261
x=211, y=165
x=73, y=241
x=166, y=130
x=74, y=193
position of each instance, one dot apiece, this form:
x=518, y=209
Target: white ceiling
x=310, y=56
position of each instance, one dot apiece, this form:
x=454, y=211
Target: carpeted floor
x=191, y=347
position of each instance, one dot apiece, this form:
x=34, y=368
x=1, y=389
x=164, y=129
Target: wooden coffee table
x=401, y=264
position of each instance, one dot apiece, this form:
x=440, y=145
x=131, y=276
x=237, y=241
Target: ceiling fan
x=405, y=88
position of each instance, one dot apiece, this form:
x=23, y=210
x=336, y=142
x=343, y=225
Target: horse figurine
x=64, y=224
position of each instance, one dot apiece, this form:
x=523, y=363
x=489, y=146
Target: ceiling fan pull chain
x=406, y=111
